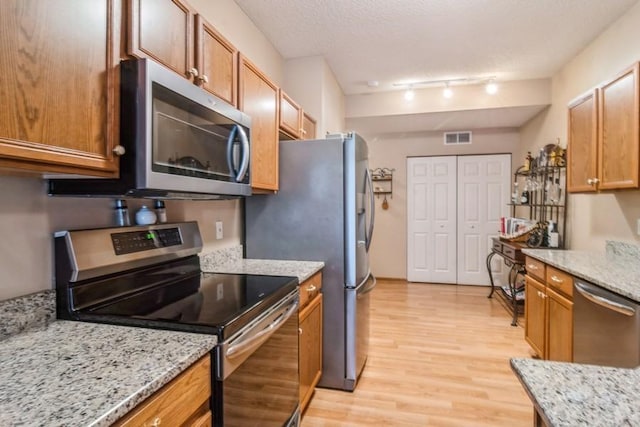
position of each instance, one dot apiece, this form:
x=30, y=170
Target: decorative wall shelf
x=383, y=184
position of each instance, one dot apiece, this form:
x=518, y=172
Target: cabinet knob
x=203, y=79
x=119, y=150
x=311, y=289
x=156, y=422
x=193, y=72
x=596, y=180
x=299, y=331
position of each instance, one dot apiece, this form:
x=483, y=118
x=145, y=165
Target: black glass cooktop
x=180, y=297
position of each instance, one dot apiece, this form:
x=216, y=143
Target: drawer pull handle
x=156, y=422
x=532, y=267
x=556, y=279
x=311, y=288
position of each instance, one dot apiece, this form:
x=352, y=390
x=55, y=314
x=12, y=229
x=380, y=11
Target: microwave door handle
x=246, y=153
x=230, y=140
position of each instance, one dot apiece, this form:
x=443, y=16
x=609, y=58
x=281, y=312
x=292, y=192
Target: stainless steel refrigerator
x=324, y=211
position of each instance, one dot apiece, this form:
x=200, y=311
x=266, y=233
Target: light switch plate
x=638, y=227
x=219, y=230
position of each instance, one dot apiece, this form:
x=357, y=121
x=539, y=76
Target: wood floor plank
x=439, y=356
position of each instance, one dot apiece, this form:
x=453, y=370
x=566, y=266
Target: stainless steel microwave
x=179, y=141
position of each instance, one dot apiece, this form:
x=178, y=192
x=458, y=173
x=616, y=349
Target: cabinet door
x=60, y=102
x=216, y=60
x=535, y=314
x=560, y=327
x=290, y=116
x=310, y=351
x=618, y=132
x=308, y=127
x=582, y=148
x=163, y=31
x=259, y=99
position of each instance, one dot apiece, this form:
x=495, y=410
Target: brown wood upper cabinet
x=604, y=136
x=290, y=116
x=294, y=122
x=173, y=34
x=60, y=109
x=308, y=127
x=259, y=98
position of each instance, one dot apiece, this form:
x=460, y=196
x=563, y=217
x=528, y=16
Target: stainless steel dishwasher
x=606, y=327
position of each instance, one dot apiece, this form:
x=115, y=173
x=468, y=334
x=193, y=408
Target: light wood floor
x=439, y=356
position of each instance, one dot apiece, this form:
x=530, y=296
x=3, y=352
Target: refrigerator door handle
x=372, y=207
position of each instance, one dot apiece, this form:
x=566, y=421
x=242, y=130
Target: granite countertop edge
x=119, y=367
x=230, y=261
x=571, y=394
x=619, y=274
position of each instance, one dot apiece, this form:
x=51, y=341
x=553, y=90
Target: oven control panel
x=138, y=241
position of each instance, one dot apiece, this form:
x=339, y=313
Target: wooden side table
x=511, y=253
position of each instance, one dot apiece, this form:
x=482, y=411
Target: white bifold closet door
x=454, y=205
x=431, y=211
x=483, y=197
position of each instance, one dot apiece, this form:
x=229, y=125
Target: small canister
x=122, y=213
x=161, y=211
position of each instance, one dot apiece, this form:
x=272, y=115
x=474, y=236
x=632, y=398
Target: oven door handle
x=252, y=341
x=230, y=143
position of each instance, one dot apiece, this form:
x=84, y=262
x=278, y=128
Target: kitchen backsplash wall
x=28, y=218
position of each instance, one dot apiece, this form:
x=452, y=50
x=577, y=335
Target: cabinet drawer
x=497, y=246
x=509, y=251
x=176, y=402
x=535, y=268
x=560, y=281
x=310, y=288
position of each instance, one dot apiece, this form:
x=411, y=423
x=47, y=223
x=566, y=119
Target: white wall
x=592, y=219
x=389, y=245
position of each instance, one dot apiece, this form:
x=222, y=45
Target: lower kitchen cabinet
x=182, y=402
x=535, y=314
x=310, y=344
x=560, y=328
x=549, y=312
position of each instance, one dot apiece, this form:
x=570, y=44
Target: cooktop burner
x=206, y=303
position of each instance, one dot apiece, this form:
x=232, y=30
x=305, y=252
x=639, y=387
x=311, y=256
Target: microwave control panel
x=138, y=241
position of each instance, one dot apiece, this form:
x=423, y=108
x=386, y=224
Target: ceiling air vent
x=451, y=138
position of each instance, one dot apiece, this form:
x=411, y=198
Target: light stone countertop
x=617, y=269
x=66, y=373
x=572, y=395
x=230, y=260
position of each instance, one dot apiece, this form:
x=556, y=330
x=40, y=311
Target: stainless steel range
x=150, y=277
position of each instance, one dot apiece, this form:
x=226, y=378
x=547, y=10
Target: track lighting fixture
x=409, y=94
x=447, y=92
x=491, y=87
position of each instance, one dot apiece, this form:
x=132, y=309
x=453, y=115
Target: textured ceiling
x=395, y=41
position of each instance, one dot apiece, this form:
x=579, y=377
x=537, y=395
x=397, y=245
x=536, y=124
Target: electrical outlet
x=219, y=230
x=219, y=292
